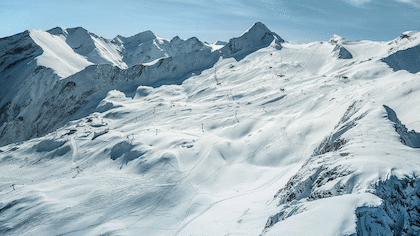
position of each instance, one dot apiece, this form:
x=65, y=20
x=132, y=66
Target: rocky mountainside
x=142, y=135
x=65, y=60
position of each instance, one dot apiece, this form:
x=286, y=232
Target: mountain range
x=142, y=135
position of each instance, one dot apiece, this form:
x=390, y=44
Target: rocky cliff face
x=256, y=37
x=333, y=171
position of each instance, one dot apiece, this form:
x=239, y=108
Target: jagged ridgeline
x=55, y=73
x=143, y=135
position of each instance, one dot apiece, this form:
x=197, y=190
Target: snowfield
x=257, y=136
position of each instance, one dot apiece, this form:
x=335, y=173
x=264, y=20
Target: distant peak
x=219, y=43
x=336, y=39
x=19, y=36
x=258, y=26
x=24, y=33
x=256, y=37
x=76, y=29
x=68, y=31
x=194, y=39
x=57, y=30
x=138, y=38
x=407, y=34
x=146, y=33
x=405, y=37
x=174, y=39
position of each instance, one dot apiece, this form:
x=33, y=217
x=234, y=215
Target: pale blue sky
x=299, y=21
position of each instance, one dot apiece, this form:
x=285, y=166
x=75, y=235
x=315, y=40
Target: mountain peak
x=258, y=26
x=68, y=31
x=256, y=37
x=175, y=39
x=57, y=30
x=77, y=29
x=258, y=29
x=336, y=39
x=135, y=40
x=218, y=42
x=140, y=37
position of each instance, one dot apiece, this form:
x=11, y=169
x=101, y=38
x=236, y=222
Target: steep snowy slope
x=57, y=54
x=20, y=76
x=256, y=137
x=95, y=49
x=66, y=53
x=405, y=58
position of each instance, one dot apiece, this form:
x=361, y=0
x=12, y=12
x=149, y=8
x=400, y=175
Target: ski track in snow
x=259, y=188
x=74, y=148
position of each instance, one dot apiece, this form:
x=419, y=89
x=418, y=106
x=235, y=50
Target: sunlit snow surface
x=289, y=140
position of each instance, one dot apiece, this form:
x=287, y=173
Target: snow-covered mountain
x=256, y=136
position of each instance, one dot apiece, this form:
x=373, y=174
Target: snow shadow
x=409, y=138
x=49, y=145
x=408, y=59
x=334, y=141
x=124, y=151
x=19, y=214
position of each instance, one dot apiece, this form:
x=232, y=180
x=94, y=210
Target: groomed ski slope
x=289, y=140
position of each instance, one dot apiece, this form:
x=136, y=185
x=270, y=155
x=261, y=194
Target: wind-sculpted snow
x=409, y=138
x=79, y=39
x=146, y=136
x=317, y=172
x=334, y=172
x=399, y=212
x=404, y=53
x=407, y=59
x=95, y=49
x=334, y=142
x=49, y=145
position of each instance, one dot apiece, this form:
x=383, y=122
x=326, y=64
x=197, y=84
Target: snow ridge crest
x=256, y=37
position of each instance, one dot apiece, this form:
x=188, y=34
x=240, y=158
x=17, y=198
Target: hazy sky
x=298, y=21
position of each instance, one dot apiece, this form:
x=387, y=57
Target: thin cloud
x=358, y=2
x=415, y=3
